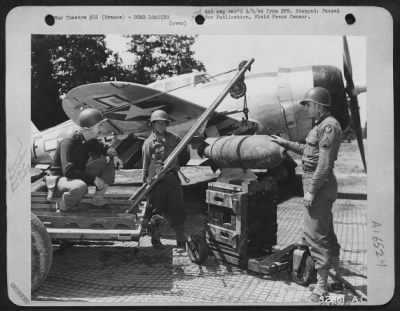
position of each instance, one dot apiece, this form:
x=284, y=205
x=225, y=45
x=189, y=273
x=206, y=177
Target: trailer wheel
x=41, y=253
x=306, y=273
x=197, y=248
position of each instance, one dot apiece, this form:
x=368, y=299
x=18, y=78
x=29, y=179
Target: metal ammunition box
x=242, y=220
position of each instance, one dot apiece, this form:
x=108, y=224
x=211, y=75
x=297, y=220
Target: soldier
x=319, y=185
x=80, y=160
x=167, y=195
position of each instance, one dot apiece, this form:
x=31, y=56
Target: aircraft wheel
x=41, y=253
x=197, y=248
x=306, y=273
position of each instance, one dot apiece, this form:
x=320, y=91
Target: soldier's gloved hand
x=279, y=140
x=99, y=183
x=308, y=198
x=118, y=164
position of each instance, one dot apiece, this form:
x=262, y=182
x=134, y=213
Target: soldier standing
x=167, y=195
x=319, y=185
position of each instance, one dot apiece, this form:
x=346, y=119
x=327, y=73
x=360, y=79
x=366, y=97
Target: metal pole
x=146, y=188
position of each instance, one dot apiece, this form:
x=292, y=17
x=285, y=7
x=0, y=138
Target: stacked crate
x=242, y=220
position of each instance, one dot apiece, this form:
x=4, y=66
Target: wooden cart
x=108, y=223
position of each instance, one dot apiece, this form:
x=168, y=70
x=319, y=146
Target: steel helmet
x=90, y=117
x=318, y=95
x=159, y=115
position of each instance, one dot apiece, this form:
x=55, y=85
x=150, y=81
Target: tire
x=197, y=249
x=306, y=273
x=41, y=253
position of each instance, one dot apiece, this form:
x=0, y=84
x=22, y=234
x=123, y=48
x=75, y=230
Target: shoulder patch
x=328, y=129
x=326, y=144
x=327, y=137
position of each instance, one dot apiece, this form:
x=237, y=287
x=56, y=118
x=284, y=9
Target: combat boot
x=335, y=262
x=155, y=224
x=98, y=197
x=336, y=286
x=156, y=242
x=321, y=288
x=180, y=237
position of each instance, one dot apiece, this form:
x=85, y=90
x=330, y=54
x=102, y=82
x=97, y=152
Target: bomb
x=248, y=151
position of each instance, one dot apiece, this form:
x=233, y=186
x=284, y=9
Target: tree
x=62, y=62
x=162, y=56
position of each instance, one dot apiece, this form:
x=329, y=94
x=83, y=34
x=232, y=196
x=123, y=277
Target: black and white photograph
x=199, y=168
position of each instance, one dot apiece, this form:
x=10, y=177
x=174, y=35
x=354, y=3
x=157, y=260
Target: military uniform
x=319, y=154
x=78, y=162
x=167, y=195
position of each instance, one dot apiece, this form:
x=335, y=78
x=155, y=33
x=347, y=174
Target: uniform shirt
x=155, y=151
x=320, y=151
x=73, y=153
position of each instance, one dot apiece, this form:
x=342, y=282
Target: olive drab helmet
x=318, y=95
x=159, y=115
x=90, y=117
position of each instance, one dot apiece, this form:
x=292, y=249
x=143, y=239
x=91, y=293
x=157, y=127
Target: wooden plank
x=92, y=234
x=115, y=196
x=40, y=203
x=102, y=221
x=50, y=207
x=85, y=201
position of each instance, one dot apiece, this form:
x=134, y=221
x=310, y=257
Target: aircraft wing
x=128, y=106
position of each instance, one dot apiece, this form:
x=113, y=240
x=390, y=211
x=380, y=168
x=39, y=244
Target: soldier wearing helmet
x=166, y=198
x=81, y=160
x=319, y=184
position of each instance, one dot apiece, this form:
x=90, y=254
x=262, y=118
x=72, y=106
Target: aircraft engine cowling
x=249, y=151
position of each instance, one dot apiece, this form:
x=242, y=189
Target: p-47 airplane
x=268, y=104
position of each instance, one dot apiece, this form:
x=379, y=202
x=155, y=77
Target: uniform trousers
x=73, y=190
x=319, y=233
x=166, y=199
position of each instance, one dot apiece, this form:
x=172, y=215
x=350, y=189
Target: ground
x=125, y=272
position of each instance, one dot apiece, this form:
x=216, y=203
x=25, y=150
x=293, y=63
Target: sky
x=220, y=53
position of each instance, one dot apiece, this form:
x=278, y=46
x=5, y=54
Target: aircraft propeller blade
x=355, y=114
x=354, y=107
